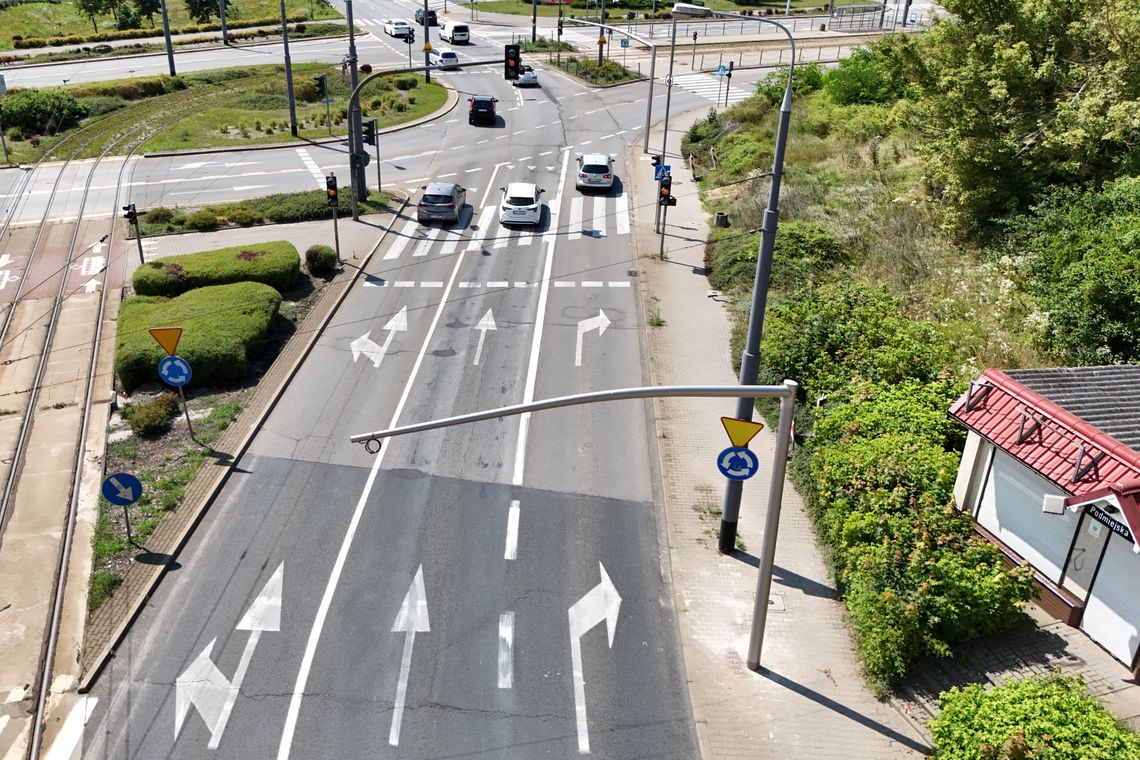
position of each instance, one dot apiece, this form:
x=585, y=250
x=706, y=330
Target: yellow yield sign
x=740, y=432
x=167, y=337
x=427, y=47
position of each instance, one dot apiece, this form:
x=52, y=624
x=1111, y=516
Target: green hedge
x=1033, y=718
x=276, y=264
x=131, y=34
x=221, y=325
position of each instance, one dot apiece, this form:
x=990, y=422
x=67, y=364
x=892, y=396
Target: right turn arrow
x=602, y=602
x=599, y=323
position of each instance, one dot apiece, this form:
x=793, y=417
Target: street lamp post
x=750, y=359
x=288, y=71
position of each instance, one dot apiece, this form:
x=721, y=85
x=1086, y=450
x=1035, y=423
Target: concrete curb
x=444, y=110
x=210, y=480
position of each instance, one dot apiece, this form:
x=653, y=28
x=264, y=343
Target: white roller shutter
x=1112, y=615
x=1011, y=510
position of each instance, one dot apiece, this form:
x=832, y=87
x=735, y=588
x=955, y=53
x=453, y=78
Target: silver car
x=527, y=77
x=441, y=200
x=595, y=170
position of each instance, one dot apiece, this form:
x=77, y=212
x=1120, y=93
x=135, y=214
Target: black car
x=482, y=109
x=430, y=14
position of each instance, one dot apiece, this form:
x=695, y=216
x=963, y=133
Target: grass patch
x=56, y=19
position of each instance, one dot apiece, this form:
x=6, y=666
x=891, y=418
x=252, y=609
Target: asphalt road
x=453, y=596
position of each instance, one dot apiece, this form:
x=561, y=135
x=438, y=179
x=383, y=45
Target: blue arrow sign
x=122, y=489
x=721, y=70
x=174, y=371
x=737, y=463
x=659, y=172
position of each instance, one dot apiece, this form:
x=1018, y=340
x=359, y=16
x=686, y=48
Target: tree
x=1020, y=95
x=147, y=8
x=92, y=9
x=203, y=10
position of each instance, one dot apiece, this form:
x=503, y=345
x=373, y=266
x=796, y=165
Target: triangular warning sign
x=167, y=337
x=740, y=432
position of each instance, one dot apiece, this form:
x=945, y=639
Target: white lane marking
x=599, y=217
x=601, y=603
x=426, y=244
x=483, y=141
x=470, y=284
x=511, y=551
x=536, y=340
x=502, y=137
x=498, y=284
x=618, y=284
x=546, y=153
x=490, y=184
x=526, y=239
x=311, y=165
x=575, y=225
x=506, y=644
x=564, y=284
x=411, y=619
x=502, y=239
x=622, y=214
x=606, y=137
x=599, y=323
x=485, y=324
x=301, y=684
x=591, y=283
x=401, y=240
x=454, y=238
x=483, y=225
x=587, y=142
x=452, y=174
x=67, y=739
x=469, y=171
x=431, y=284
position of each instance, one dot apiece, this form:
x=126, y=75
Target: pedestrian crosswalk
x=711, y=87
x=589, y=216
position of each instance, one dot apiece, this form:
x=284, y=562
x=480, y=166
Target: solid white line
x=299, y=687
x=599, y=217
x=512, y=548
x=490, y=184
x=536, y=341
x=506, y=643
x=621, y=214
x=63, y=748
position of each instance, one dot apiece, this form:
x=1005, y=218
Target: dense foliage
x=222, y=325
x=1033, y=718
x=40, y=111
x=276, y=264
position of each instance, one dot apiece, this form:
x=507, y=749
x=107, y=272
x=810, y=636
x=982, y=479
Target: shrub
x=1042, y=718
x=203, y=220
x=320, y=260
x=869, y=410
x=406, y=82
x=804, y=252
x=41, y=111
x=807, y=77
x=243, y=216
x=865, y=77
x=160, y=215
x=275, y=264
x=101, y=104
x=151, y=418
x=223, y=324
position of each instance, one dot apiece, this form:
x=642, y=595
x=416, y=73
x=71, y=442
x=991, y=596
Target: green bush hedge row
x=1034, y=718
x=19, y=42
x=221, y=326
x=280, y=208
x=276, y=264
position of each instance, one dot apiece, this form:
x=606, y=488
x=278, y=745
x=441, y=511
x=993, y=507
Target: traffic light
x=559, y=26
x=657, y=159
x=511, y=62
x=410, y=38
x=131, y=215
x=322, y=86
x=330, y=189
x=694, y=36
x=729, y=72
x=665, y=194
x=370, y=132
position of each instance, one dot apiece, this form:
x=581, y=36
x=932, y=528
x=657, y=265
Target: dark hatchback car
x=482, y=109
x=441, y=200
x=430, y=14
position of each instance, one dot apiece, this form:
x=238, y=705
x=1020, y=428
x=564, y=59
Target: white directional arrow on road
x=5, y=260
x=602, y=602
x=485, y=324
x=91, y=286
x=599, y=323
x=412, y=619
x=205, y=687
x=375, y=353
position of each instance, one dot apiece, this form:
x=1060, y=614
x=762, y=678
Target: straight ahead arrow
x=412, y=619
x=5, y=260
x=485, y=324
x=599, y=323
x=600, y=603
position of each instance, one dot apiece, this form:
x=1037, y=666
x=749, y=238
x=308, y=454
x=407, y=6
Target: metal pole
x=336, y=232
x=328, y=114
x=559, y=43
x=186, y=410
x=649, y=101
x=222, y=16
x=668, y=100
x=771, y=527
x=138, y=240
x=750, y=360
x=288, y=73
x=127, y=523
x=664, y=216
x=601, y=31
x=3, y=142
x=166, y=34
x=427, y=44
x=533, y=19
x=376, y=131
x=355, y=139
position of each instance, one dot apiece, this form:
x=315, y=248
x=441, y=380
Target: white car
x=443, y=58
x=397, y=27
x=527, y=76
x=522, y=204
x=595, y=170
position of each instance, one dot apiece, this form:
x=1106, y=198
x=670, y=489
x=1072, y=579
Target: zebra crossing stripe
x=526, y=238
x=311, y=165
x=622, y=214
x=401, y=241
x=454, y=236
x=425, y=244
x=575, y=218
x=481, y=234
x=599, y=217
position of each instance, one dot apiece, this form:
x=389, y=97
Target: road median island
x=184, y=474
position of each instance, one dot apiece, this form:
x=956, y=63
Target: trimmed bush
x=41, y=111
x=203, y=220
x=276, y=264
x=159, y=215
x=1033, y=718
x=320, y=260
x=222, y=325
x=243, y=216
x=151, y=418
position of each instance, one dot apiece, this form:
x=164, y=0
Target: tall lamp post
x=750, y=359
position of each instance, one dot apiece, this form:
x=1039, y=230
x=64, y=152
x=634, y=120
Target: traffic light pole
x=427, y=45
x=356, y=153
x=665, y=129
x=334, y=204
x=288, y=70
